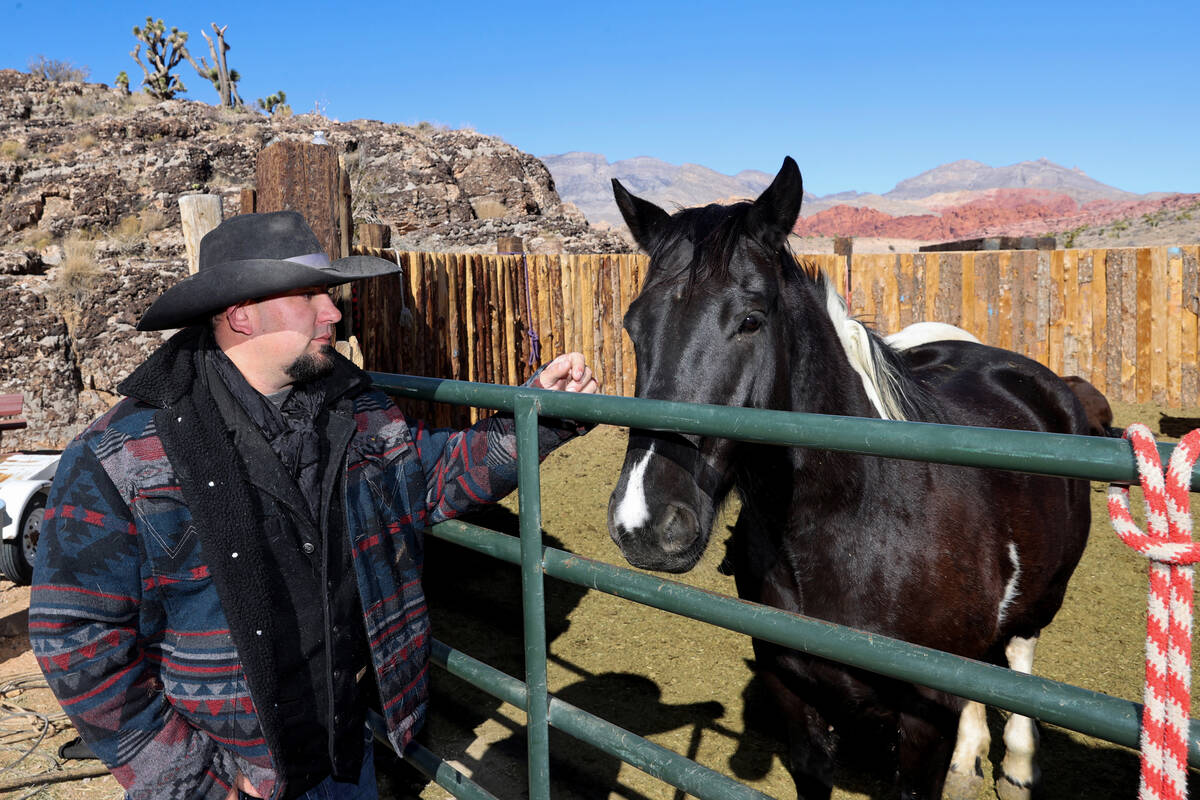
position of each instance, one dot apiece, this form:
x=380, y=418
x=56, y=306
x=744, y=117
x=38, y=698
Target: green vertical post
x=533, y=595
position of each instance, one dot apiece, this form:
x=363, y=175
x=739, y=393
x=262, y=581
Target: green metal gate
x=1091, y=458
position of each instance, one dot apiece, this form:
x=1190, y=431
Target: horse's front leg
x=812, y=741
x=812, y=748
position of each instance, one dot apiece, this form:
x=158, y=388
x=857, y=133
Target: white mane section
x=925, y=332
x=878, y=380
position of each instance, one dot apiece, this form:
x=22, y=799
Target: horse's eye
x=750, y=324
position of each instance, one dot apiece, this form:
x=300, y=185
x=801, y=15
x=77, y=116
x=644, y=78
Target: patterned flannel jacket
x=147, y=608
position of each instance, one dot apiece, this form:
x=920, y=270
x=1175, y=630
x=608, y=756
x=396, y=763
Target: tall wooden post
x=844, y=246
x=198, y=214
x=306, y=177
x=303, y=177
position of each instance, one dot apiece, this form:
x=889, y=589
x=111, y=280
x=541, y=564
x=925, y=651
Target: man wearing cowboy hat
x=233, y=552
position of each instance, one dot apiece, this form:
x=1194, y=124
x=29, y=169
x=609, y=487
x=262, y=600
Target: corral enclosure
x=1124, y=318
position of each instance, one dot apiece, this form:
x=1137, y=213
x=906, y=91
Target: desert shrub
x=57, y=71
x=1117, y=227
x=132, y=229
x=37, y=239
x=12, y=150
x=1071, y=235
x=366, y=186
x=79, y=269
x=86, y=106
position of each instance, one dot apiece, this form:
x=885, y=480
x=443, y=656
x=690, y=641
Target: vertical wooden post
x=374, y=234
x=844, y=246
x=198, y=214
x=246, y=205
x=303, y=177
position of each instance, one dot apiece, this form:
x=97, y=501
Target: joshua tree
x=224, y=80
x=164, y=53
x=275, y=104
x=122, y=82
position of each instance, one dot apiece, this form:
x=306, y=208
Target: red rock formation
x=998, y=212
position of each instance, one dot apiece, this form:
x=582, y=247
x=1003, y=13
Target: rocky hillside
x=89, y=220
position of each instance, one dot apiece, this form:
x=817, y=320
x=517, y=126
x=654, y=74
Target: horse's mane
x=889, y=385
x=716, y=230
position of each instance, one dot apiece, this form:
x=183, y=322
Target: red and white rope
x=1168, y=544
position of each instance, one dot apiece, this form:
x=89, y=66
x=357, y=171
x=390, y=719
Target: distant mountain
x=585, y=179
x=959, y=200
x=972, y=176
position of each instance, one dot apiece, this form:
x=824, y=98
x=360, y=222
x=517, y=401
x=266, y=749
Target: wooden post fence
x=1126, y=319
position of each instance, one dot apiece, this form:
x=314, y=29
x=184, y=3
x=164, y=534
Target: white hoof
x=1008, y=789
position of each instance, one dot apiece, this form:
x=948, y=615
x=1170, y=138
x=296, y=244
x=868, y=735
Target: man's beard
x=311, y=366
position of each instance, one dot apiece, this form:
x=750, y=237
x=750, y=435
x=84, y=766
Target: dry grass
x=78, y=272
x=131, y=231
x=88, y=106
x=37, y=239
x=12, y=150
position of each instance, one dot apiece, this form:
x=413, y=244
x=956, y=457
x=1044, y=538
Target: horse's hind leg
x=965, y=778
x=1019, y=771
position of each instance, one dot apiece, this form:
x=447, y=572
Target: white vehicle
x=24, y=486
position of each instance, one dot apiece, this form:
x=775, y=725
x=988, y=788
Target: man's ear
x=238, y=318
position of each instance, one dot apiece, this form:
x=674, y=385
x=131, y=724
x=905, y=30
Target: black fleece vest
x=320, y=643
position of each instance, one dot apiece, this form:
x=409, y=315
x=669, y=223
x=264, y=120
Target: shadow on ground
x=475, y=605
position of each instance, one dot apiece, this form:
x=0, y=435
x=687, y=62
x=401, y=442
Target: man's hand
x=568, y=373
x=243, y=785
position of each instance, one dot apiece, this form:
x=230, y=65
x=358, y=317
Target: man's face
x=295, y=332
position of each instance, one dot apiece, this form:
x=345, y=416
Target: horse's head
x=707, y=327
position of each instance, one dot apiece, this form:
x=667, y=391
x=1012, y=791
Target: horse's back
x=974, y=384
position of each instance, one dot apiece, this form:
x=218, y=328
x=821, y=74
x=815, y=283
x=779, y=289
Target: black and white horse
x=971, y=561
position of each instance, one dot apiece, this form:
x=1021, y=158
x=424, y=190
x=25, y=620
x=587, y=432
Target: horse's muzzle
x=670, y=542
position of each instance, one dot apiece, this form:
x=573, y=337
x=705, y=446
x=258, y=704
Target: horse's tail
x=1095, y=406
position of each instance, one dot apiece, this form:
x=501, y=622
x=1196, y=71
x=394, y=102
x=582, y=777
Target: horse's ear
x=644, y=218
x=775, y=211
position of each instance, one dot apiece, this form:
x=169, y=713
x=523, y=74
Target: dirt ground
x=682, y=684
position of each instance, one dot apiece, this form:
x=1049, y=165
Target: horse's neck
x=825, y=346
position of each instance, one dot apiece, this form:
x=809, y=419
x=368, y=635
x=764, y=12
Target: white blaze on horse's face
x=630, y=511
x=704, y=330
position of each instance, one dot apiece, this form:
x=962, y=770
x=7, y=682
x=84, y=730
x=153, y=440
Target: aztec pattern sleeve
x=95, y=635
x=472, y=467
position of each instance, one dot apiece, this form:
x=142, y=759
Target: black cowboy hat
x=252, y=256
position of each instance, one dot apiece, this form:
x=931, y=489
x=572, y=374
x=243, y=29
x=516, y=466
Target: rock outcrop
x=89, y=221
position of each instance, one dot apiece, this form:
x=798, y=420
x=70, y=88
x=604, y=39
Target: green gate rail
x=1068, y=706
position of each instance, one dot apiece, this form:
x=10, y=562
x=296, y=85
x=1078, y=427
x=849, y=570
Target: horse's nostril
x=677, y=528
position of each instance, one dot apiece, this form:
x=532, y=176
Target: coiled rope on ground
x=23, y=732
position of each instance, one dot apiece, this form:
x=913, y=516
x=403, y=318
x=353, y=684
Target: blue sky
x=863, y=95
